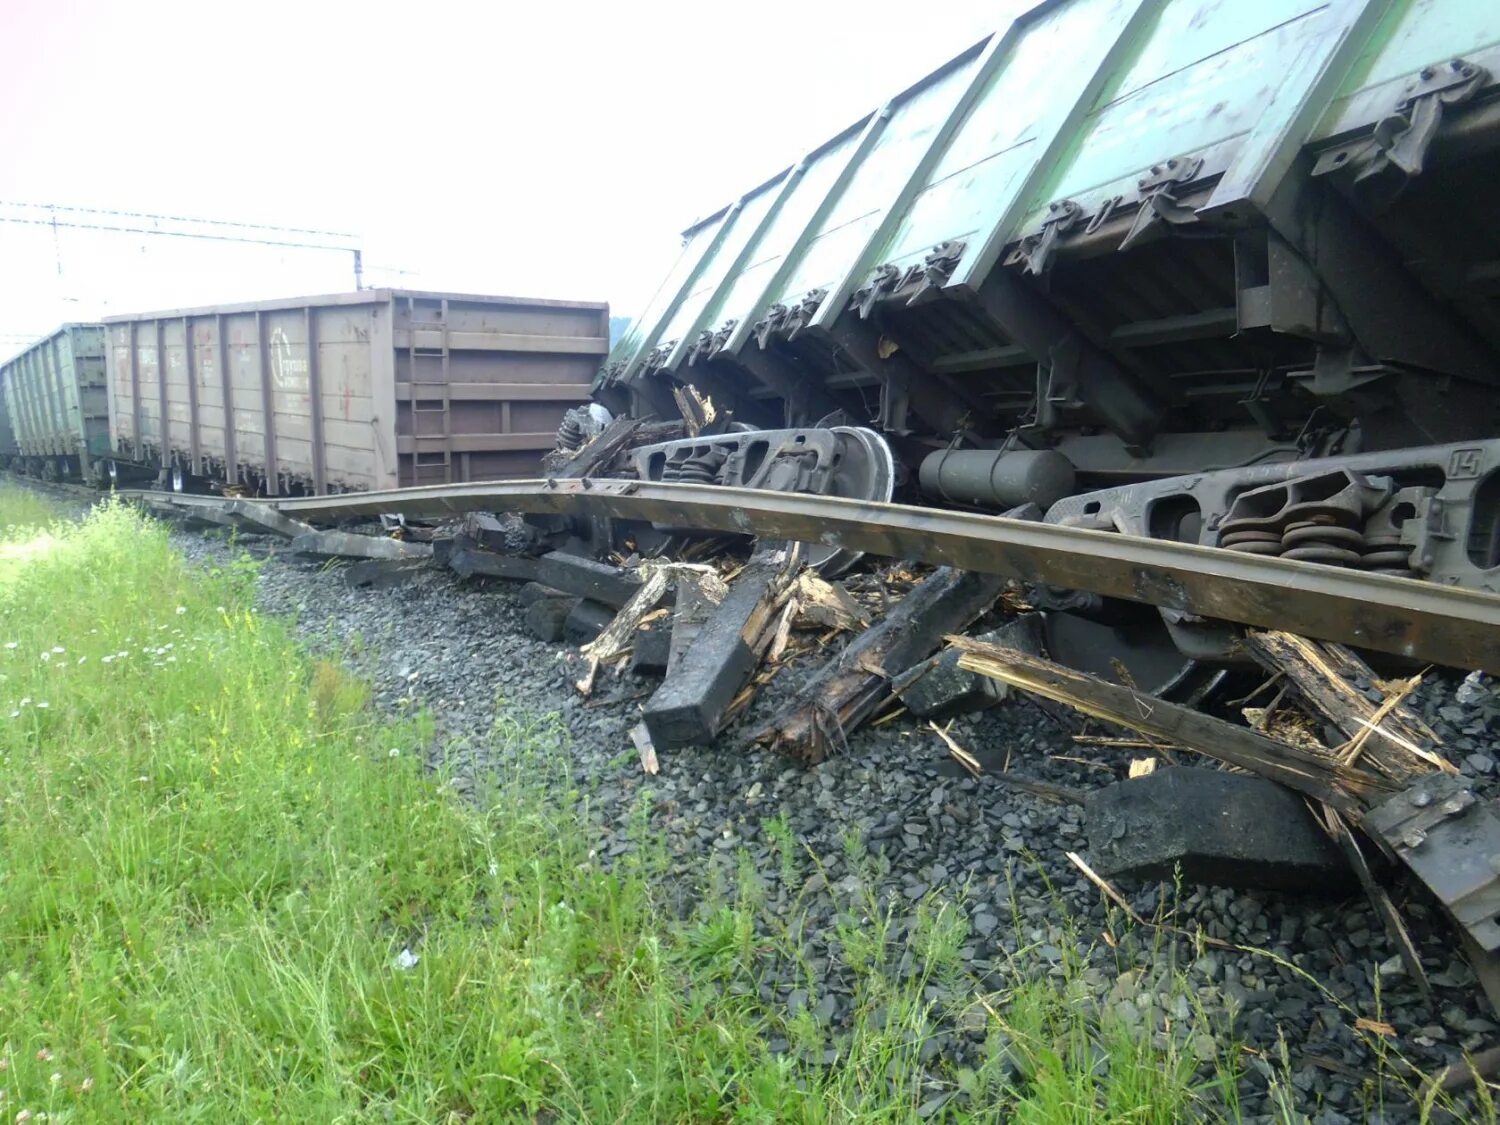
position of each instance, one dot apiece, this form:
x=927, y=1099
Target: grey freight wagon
x=53, y=418
x=7, y=431
x=349, y=392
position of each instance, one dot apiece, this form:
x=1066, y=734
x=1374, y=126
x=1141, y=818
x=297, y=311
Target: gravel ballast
x=895, y=808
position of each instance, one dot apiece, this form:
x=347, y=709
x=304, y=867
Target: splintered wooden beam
x=703, y=679
x=847, y=691
x=599, y=452
x=1388, y=735
x=1348, y=789
x=1429, y=821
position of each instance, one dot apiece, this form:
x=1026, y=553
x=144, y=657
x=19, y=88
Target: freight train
x=304, y=396
x=1226, y=274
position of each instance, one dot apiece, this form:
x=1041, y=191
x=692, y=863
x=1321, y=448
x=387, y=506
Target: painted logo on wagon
x=288, y=371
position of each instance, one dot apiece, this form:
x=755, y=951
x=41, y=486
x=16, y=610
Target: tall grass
x=229, y=891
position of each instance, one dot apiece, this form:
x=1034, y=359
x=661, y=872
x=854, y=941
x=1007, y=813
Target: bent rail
x=1418, y=620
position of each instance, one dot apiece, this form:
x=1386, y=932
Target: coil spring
x=1323, y=538
x=1385, y=554
x=700, y=468
x=569, y=433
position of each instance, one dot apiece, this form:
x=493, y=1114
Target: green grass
x=215, y=861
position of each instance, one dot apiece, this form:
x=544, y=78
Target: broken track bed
x=893, y=807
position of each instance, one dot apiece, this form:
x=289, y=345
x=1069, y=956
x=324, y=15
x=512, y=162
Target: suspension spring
x=1328, y=537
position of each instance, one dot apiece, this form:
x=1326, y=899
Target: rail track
x=1404, y=617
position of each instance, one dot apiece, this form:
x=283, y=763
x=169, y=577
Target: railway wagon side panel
x=353, y=391
x=277, y=358
x=134, y=399
x=288, y=372
x=8, y=447
x=54, y=398
x=225, y=372
x=358, y=437
x=176, y=394
x=18, y=399
x=149, y=391
x=41, y=434
x=207, y=379
x=481, y=385
x=89, y=388
x=118, y=390
x=242, y=354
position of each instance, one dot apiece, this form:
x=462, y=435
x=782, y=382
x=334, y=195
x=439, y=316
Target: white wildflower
x=46, y=656
x=107, y=659
x=83, y=660
x=15, y=714
x=10, y=644
x=26, y=702
x=42, y=706
x=406, y=959
x=395, y=752
x=59, y=649
x=181, y=610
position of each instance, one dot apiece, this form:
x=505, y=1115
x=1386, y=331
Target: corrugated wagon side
x=54, y=400
x=349, y=392
x=7, y=431
x=1148, y=235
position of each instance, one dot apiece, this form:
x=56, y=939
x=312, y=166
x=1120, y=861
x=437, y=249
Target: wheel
x=179, y=480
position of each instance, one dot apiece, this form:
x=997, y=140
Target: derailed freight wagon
x=349, y=392
x=1223, y=273
x=54, y=419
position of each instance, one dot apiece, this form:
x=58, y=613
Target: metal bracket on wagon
x=1396, y=150
x=1036, y=251
x=882, y=283
x=1158, y=201
x=936, y=268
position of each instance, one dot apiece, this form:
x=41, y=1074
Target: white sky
x=538, y=149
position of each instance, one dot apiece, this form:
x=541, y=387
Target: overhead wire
x=72, y=225
x=53, y=207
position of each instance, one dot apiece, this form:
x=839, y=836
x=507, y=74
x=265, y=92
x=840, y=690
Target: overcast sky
x=539, y=149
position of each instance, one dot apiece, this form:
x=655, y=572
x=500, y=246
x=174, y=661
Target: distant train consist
x=372, y=389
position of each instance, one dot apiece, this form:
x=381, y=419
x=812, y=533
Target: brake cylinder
x=993, y=478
